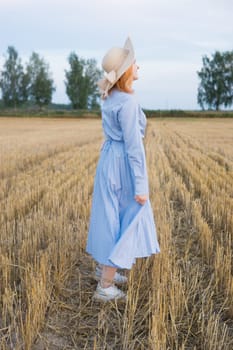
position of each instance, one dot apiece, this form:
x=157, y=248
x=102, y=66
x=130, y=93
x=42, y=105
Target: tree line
x=33, y=83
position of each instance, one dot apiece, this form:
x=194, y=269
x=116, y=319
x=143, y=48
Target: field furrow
x=217, y=205
x=180, y=299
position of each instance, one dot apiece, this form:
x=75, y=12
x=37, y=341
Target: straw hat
x=115, y=63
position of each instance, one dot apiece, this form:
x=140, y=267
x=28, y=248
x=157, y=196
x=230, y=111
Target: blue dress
x=121, y=229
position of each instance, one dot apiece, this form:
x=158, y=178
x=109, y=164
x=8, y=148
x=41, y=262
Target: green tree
x=81, y=81
x=216, y=85
x=41, y=86
x=13, y=80
x=93, y=75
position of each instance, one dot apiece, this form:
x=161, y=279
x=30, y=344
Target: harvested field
x=180, y=299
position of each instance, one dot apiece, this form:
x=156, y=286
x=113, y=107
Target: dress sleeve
x=129, y=122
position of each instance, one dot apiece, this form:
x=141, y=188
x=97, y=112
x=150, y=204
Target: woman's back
x=113, y=107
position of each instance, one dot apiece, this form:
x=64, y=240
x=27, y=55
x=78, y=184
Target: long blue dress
x=121, y=229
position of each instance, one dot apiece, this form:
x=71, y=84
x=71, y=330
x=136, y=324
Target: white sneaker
x=109, y=293
x=118, y=278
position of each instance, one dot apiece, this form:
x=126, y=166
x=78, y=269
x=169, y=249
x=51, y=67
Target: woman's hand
x=141, y=199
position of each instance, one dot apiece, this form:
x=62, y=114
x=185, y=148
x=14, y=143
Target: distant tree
x=25, y=87
x=81, y=81
x=41, y=86
x=13, y=80
x=93, y=75
x=216, y=85
x=76, y=82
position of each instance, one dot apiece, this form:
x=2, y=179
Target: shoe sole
x=104, y=299
x=97, y=278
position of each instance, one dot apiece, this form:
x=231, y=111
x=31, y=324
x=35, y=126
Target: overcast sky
x=169, y=36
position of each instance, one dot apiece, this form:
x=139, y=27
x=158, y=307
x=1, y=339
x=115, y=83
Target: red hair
x=124, y=83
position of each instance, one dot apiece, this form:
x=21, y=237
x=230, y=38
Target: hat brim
x=104, y=84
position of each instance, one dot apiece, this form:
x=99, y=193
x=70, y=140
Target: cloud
x=170, y=38
x=164, y=85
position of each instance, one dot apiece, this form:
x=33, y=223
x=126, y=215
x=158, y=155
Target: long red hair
x=124, y=83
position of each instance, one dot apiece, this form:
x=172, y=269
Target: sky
x=170, y=37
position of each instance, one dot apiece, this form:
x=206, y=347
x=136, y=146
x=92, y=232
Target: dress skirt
x=120, y=229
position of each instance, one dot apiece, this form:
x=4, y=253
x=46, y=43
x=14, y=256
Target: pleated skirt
x=120, y=229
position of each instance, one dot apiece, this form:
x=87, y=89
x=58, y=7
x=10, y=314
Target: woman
x=122, y=226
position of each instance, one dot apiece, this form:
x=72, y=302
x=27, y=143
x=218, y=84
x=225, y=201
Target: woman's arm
x=129, y=121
